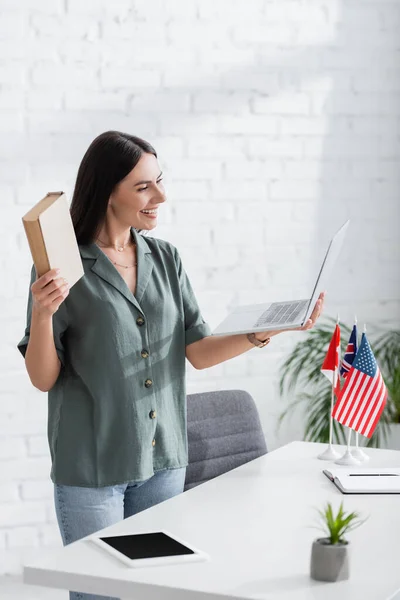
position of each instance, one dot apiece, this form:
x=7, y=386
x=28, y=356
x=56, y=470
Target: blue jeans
x=82, y=511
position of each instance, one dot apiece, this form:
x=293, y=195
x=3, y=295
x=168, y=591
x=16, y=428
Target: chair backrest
x=224, y=431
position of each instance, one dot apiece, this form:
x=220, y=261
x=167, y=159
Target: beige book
x=51, y=236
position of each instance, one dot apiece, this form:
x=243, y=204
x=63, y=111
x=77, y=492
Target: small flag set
x=361, y=400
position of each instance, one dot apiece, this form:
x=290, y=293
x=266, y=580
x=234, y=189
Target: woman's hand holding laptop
x=271, y=318
x=261, y=335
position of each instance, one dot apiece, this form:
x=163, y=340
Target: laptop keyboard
x=280, y=313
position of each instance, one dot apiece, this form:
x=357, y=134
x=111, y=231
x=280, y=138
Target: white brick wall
x=274, y=121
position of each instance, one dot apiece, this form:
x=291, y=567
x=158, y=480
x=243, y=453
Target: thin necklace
x=118, y=248
x=124, y=266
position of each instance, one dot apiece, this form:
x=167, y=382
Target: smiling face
x=135, y=200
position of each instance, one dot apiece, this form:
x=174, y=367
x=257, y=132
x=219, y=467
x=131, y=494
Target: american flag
x=350, y=353
x=363, y=396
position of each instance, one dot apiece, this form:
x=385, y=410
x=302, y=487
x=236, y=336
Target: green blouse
x=117, y=411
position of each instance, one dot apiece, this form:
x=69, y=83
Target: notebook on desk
x=381, y=480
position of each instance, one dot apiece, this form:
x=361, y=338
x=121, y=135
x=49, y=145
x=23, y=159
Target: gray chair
x=224, y=431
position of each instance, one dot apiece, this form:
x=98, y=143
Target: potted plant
x=302, y=371
x=330, y=554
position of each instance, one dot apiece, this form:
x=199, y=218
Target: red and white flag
x=330, y=366
x=363, y=397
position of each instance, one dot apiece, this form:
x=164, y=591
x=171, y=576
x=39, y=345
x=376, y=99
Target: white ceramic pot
x=329, y=562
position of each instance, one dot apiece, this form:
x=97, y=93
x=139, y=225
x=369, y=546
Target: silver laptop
x=283, y=315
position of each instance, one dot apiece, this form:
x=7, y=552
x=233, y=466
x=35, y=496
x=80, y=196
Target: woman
x=111, y=351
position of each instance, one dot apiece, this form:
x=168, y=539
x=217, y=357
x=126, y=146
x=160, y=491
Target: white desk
x=254, y=523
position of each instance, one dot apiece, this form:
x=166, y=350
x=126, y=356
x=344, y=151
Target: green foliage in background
x=302, y=379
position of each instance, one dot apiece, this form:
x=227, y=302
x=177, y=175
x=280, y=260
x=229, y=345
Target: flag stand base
x=348, y=459
x=360, y=455
x=329, y=454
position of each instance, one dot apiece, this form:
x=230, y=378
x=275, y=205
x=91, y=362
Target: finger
x=55, y=305
x=315, y=316
x=56, y=284
x=308, y=324
x=46, y=299
x=61, y=292
x=322, y=299
x=317, y=309
x=52, y=286
x=42, y=281
x=321, y=308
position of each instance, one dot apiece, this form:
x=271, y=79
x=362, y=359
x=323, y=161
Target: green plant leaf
x=336, y=526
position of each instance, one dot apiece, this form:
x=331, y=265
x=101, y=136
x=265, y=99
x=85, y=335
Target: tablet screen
x=147, y=545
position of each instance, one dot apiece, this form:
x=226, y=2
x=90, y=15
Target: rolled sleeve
x=195, y=326
x=59, y=325
x=196, y=333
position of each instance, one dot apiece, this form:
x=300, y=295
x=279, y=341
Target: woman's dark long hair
x=109, y=158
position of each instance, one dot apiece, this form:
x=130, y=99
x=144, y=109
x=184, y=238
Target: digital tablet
x=149, y=549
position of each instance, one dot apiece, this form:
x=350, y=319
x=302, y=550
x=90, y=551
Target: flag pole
x=348, y=459
x=358, y=452
x=330, y=453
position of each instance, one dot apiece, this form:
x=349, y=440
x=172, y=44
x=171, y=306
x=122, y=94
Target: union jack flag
x=350, y=353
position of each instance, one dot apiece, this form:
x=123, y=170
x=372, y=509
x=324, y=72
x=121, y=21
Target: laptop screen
x=331, y=255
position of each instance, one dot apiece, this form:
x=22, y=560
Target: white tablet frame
x=198, y=555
